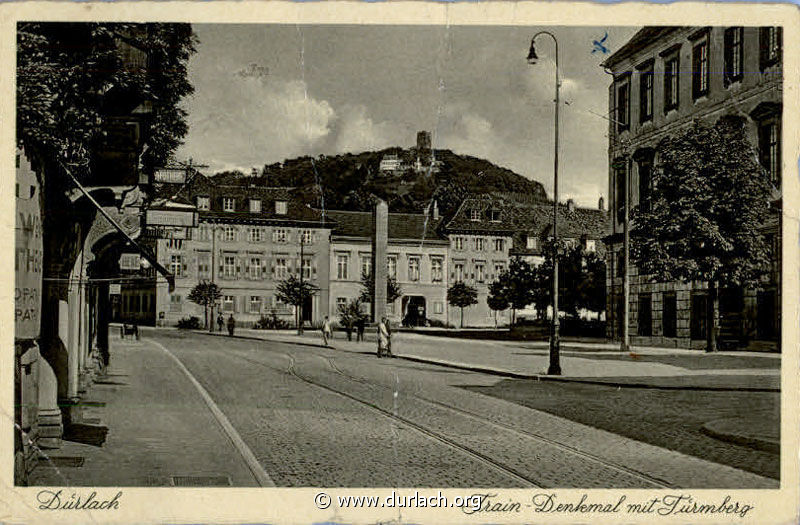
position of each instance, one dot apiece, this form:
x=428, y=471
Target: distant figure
x=327, y=331
x=360, y=324
x=389, y=332
x=383, y=338
x=231, y=325
x=220, y=322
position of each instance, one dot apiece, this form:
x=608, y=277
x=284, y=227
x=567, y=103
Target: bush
x=437, y=323
x=271, y=322
x=191, y=323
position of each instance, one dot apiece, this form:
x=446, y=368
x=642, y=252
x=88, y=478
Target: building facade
x=664, y=79
x=248, y=240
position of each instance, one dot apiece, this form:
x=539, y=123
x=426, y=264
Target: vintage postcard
x=404, y=262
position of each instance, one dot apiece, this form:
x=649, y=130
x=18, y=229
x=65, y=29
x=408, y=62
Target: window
x=366, y=265
x=255, y=234
x=458, y=243
x=480, y=272
x=306, y=237
x=494, y=215
x=700, y=70
x=623, y=103
x=499, y=245
x=341, y=266
x=413, y=268
x=438, y=307
x=306, y=267
x=175, y=304
x=175, y=244
x=279, y=235
x=204, y=266
x=671, y=67
x=281, y=270
x=230, y=233
x=255, y=267
x=733, y=54
x=646, y=92
x=769, y=149
x=620, y=174
x=280, y=207
x=645, y=166
x=499, y=268
x=770, y=46
x=645, y=315
x=229, y=266
x=591, y=245
x=203, y=203
x=204, y=233
x=391, y=266
x=436, y=270
x=228, y=204
x=530, y=242
x=474, y=214
x=255, y=205
x=341, y=303
x=176, y=265
x=620, y=264
x=227, y=303
x=479, y=244
x=458, y=271
x=255, y=304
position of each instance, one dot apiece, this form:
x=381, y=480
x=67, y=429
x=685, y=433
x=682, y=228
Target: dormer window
x=255, y=205
x=203, y=203
x=494, y=215
x=530, y=242
x=280, y=207
x=228, y=204
x=474, y=214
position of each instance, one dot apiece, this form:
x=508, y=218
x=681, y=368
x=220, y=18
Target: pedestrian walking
x=388, y=337
x=383, y=338
x=360, y=329
x=327, y=331
x=220, y=322
x=231, y=325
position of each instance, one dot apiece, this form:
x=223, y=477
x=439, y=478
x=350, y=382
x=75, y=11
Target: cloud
x=251, y=120
x=356, y=131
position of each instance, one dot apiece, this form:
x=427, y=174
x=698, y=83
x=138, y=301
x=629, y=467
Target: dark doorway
x=699, y=316
x=669, y=314
x=308, y=309
x=645, y=315
x=766, y=315
x=414, y=311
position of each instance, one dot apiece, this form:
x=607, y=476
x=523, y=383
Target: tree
x=349, y=315
x=206, y=294
x=66, y=73
x=518, y=285
x=462, y=296
x=393, y=290
x=497, y=299
x=709, y=200
x=293, y=291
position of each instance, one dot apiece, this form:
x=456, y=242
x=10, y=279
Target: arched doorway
x=414, y=310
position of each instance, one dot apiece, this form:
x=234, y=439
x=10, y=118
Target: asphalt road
x=312, y=416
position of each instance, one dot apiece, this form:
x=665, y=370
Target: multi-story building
x=480, y=234
x=417, y=258
x=248, y=240
x=665, y=78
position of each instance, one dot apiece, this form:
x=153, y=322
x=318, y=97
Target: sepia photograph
x=399, y=255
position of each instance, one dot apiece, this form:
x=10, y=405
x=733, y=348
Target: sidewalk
x=643, y=367
x=135, y=427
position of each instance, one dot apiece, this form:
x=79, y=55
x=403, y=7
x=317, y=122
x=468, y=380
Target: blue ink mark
x=598, y=45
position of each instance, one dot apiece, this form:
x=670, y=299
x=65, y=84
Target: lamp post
x=555, y=344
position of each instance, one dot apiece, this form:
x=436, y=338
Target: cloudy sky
x=265, y=93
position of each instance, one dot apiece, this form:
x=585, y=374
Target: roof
x=462, y=219
x=643, y=38
x=402, y=226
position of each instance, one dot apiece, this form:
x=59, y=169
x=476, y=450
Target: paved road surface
x=322, y=417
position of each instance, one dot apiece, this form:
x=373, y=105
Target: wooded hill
x=350, y=181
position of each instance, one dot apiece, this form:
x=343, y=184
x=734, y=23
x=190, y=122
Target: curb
x=515, y=375
x=753, y=442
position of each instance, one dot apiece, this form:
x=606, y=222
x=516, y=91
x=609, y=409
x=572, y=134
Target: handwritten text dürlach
x=57, y=500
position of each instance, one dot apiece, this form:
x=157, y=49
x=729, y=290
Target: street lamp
x=555, y=344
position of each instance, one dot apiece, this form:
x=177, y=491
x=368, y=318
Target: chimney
x=602, y=204
x=570, y=205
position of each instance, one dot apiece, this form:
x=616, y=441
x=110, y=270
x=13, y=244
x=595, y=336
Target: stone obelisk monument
x=380, y=241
